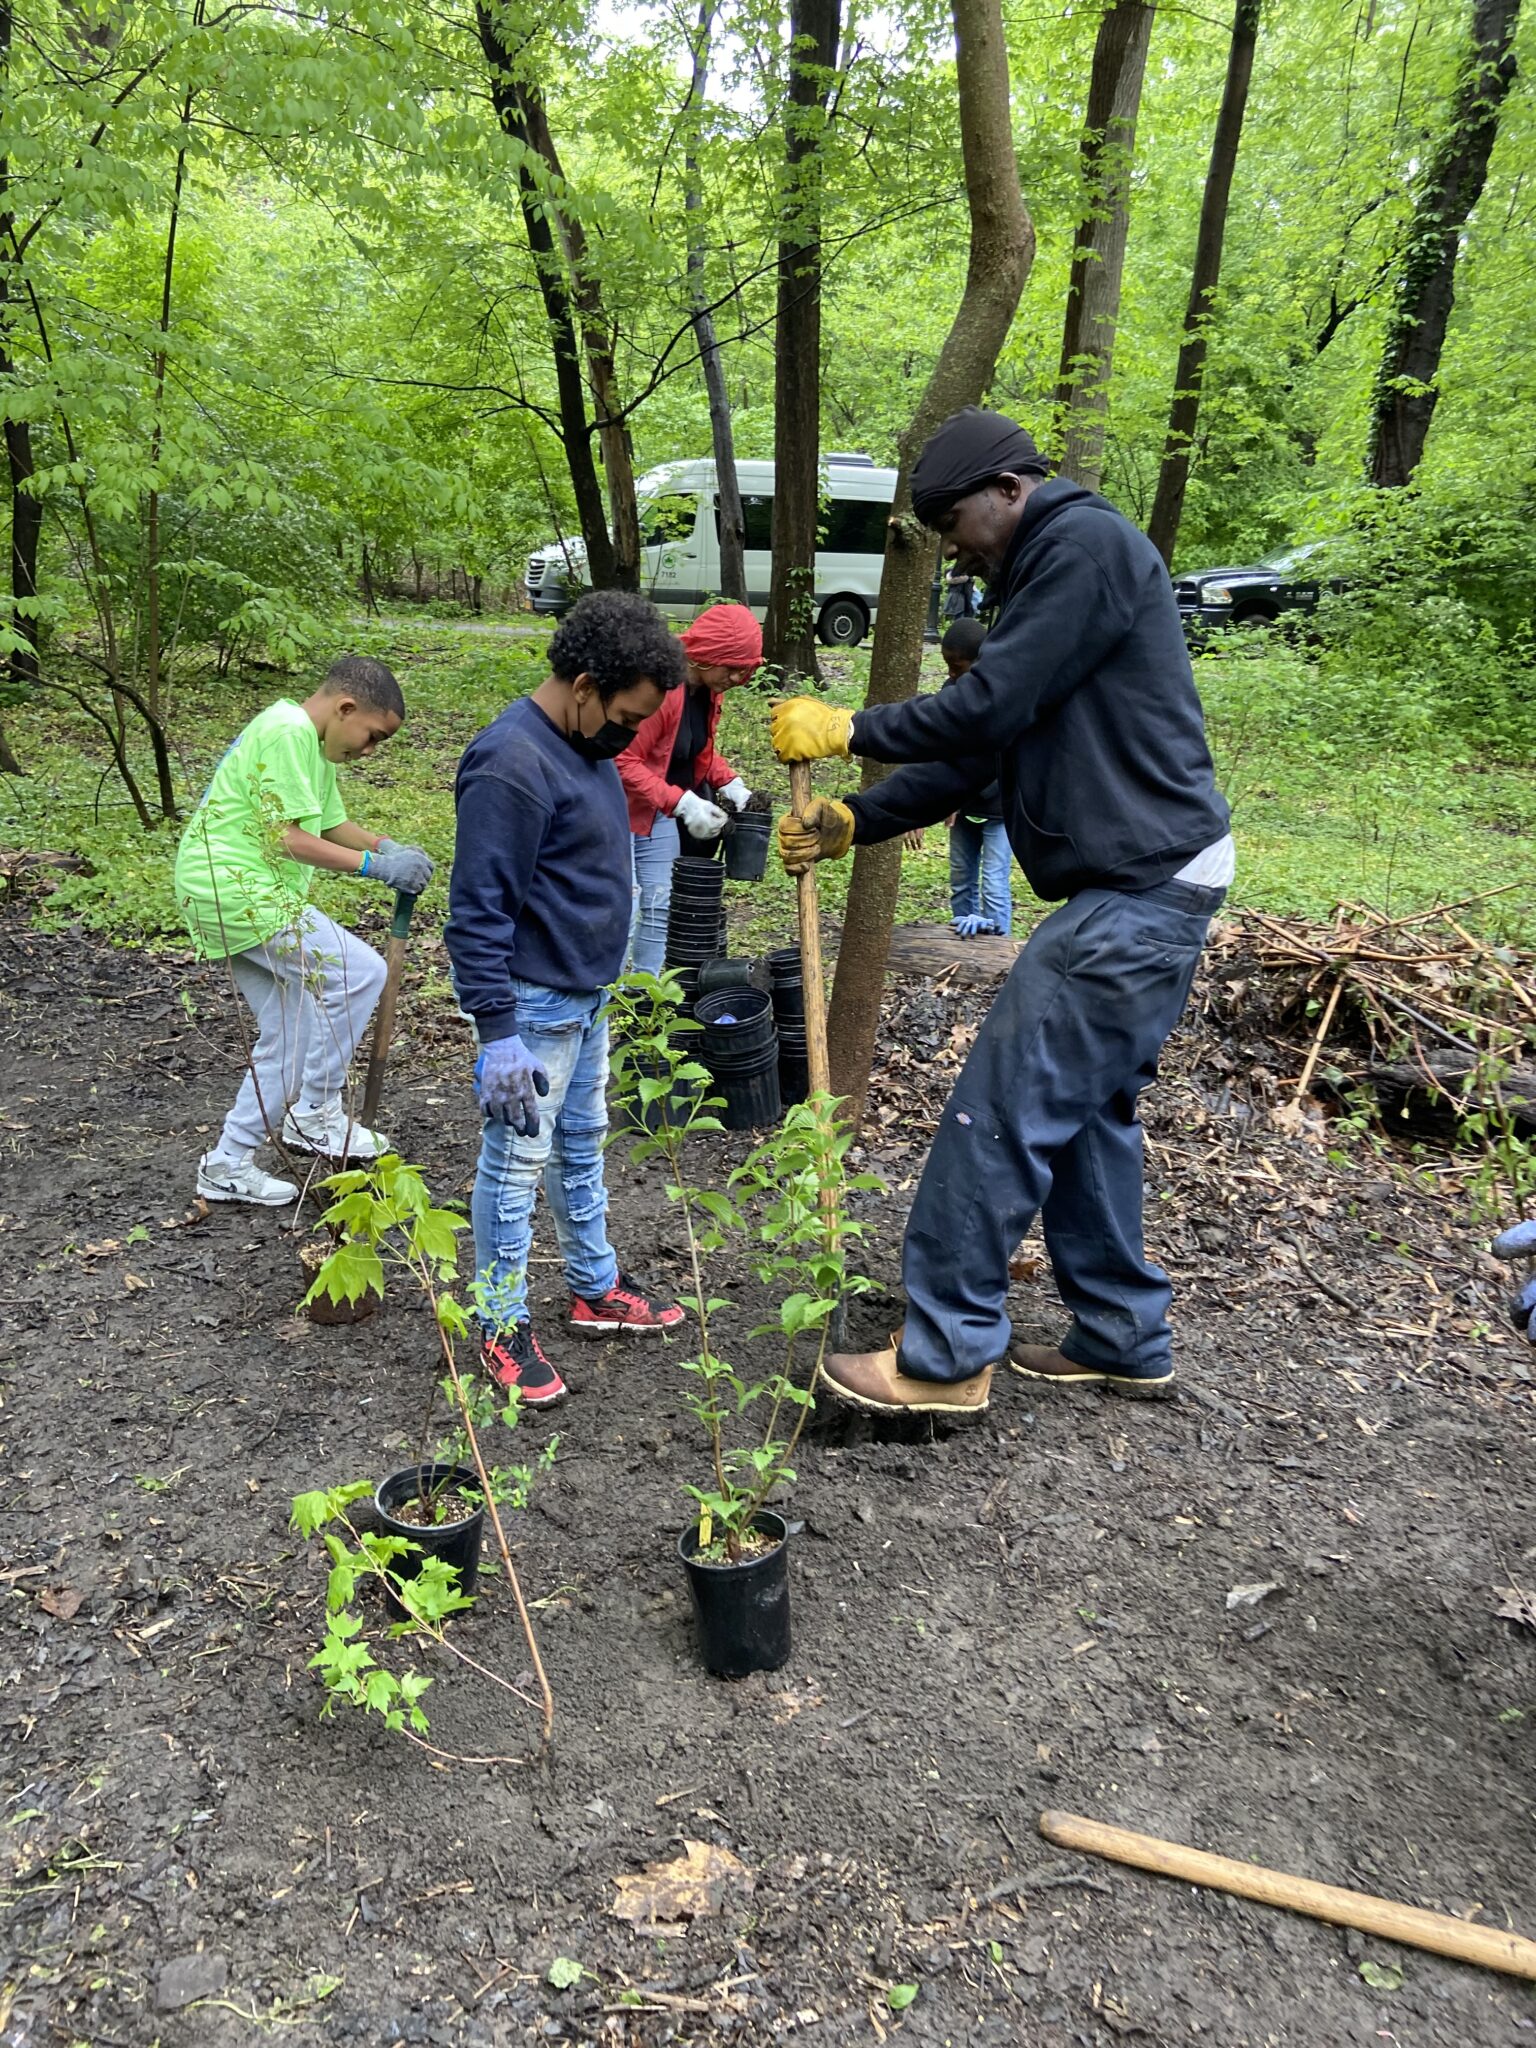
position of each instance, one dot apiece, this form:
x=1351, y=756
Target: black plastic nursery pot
x=693, y=877
x=783, y=964
x=746, y=846
x=794, y=1077
x=736, y=1021
x=742, y=1609
x=789, y=1004
x=457, y=1543
x=748, y=1090
x=718, y=974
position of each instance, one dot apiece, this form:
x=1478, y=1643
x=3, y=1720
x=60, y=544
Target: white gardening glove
x=735, y=793
x=704, y=820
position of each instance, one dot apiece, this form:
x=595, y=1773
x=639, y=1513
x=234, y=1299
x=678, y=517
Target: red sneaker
x=515, y=1360
x=626, y=1307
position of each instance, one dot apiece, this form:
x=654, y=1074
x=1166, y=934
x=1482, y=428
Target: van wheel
x=843, y=622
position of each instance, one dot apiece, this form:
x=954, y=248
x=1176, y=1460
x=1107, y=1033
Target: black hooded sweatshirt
x=1082, y=704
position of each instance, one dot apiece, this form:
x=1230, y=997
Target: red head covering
x=727, y=635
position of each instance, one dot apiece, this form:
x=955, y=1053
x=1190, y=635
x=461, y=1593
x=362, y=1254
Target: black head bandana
x=969, y=449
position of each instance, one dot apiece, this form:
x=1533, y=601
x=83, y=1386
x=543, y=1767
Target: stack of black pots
x=741, y=1050
x=787, y=981
x=695, y=920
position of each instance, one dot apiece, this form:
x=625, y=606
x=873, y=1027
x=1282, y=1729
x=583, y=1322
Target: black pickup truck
x=1256, y=595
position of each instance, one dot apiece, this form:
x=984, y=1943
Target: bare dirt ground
x=1032, y=1612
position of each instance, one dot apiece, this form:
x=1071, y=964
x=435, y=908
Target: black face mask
x=610, y=738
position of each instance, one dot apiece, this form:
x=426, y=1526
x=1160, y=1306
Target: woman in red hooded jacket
x=672, y=762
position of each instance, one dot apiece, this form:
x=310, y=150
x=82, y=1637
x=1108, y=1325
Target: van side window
x=854, y=526
x=665, y=521
x=758, y=514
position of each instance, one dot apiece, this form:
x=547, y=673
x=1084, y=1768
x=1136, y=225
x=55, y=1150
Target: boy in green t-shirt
x=272, y=814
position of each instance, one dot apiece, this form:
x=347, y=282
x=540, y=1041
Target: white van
x=680, y=544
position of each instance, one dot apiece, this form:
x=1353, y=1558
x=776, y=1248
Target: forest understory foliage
x=311, y=323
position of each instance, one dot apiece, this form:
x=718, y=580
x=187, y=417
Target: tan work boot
x=1045, y=1362
x=874, y=1380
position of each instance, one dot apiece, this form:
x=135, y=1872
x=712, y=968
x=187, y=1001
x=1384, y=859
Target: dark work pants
x=1043, y=1119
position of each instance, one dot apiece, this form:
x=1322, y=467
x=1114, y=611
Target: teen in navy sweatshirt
x=539, y=908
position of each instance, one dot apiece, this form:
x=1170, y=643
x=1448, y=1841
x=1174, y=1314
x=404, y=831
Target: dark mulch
x=1029, y=1613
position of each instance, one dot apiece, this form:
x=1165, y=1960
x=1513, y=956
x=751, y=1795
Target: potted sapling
x=786, y=1201
x=426, y=1555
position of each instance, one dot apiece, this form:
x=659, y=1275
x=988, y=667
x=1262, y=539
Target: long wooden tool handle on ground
x=1438, y=1932
x=810, y=947
x=384, y=1015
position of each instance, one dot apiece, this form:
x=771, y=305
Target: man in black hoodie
x=1082, y=704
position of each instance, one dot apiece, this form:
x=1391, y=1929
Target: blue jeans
x=566, y=1036
x=981, y=853
x=655, y=854
x=1043, y=1119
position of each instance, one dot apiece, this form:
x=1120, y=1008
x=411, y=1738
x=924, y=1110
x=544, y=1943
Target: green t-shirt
x=235, y=885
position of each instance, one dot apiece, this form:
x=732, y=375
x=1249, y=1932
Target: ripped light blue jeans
x=564, y=1033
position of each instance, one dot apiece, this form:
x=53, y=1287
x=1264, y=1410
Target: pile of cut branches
x=1415, y=1006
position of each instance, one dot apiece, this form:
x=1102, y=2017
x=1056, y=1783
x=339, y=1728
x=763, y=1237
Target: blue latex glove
x=1520, y=1243
x=509, y=1082
x=969, y=927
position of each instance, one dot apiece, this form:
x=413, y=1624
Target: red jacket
x=643, y=764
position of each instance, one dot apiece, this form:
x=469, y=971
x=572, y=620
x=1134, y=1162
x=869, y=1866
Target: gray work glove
x=405, y=868
x=1520, y=1243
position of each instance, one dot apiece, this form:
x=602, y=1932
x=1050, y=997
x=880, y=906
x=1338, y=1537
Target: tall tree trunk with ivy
x=789, y=634
x=1184, y=413
x=733, y=525
x=1002, y=251
x=1093, y=291
x=1407, y=386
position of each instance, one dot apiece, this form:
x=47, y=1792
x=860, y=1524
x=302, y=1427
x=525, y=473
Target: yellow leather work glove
x=824, y=832
x=805, y=729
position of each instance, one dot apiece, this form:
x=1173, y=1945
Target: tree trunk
x=732, y=520
x=1002, y=250
x=26, y=510
x=514, y=104
x=789, y=634
x=1184, y=414
x=1406, y=387
x=152, y=647
x=597, y=338
x=1093, y=293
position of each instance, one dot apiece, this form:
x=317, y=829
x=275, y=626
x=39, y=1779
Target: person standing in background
x=673, y=757
x=980, y=858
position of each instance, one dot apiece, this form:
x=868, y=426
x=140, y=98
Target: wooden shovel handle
x=1438, y=1932
x=809, y=906
x=384, y=1015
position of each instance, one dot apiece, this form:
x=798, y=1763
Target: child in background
x=980, y=859
x=272, y=814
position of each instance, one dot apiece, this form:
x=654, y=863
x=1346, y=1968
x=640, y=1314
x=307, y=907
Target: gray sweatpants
x=311, y=990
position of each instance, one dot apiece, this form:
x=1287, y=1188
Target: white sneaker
x=332, y=1133
x=221, y=1179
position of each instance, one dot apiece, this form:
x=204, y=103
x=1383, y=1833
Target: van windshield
x=665, y=521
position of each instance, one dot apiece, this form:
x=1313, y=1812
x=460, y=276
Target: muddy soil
x=1031, y=1612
